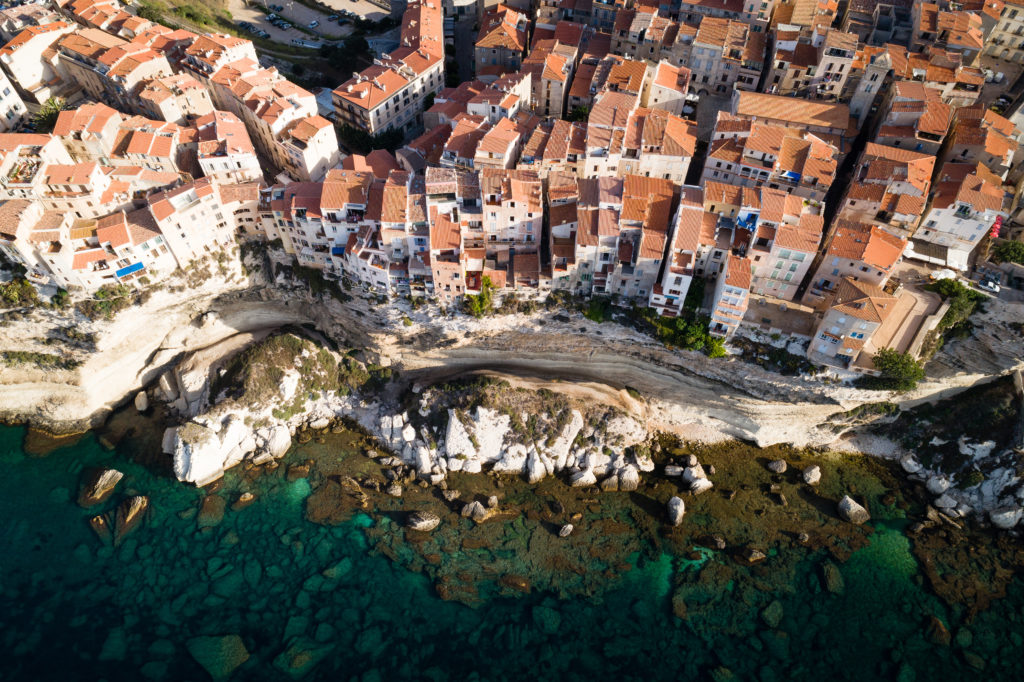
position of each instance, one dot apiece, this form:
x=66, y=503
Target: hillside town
x=797, y=167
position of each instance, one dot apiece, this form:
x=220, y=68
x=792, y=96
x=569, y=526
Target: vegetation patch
x=108, y=301
x=21, y=358
x=898, y=372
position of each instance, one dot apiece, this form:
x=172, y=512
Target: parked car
x=277, y=8
x=314, y=23
x=271, y=17
x=989, y=285
x=333, y=17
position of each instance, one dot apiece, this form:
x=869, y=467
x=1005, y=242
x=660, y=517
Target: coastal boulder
x=910, y=464
x=850, y=511
x=128, y=516
x=701, y=485
x=423, y=521
x=777, y=466
x=694, y=473
x=476, y=511
x=583, y=479
x=629, y=478
x=812, y=474
x=676, y=510
x=97, y=486
x=1006, y=518
x=279, y=440
x=937, y=485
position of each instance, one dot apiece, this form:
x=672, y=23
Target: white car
x=314, y=23
x=989, y=285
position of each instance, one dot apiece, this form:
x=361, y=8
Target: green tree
x=578, y=114
x=482, y=303
x=46, y=119
x=1009, y=252
x=898, y=371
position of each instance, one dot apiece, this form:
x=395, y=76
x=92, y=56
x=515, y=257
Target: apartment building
x=726, y=55
x=224, y=150
x=108, y=68
x=566, y=148
x=643, y=34
x=864, y=253
x=550, y=66
x=642, y=236
x=606, y=128
x=501, y=43
x=814, y=66
x=783, y=244
x=889, y=188
x=309, y=148
x=731, y=297
x=30, y=63
x=750, y=153
x=829, y=121
x=914, y=117
x=753, y=13
x=513, y=212
x=692, y=234
x=968, y=203
x=668, y=88
x=981, y=135
x=177, y=99
x=657, y=144
x=14, y=20
x=853, y=313
x=193, y=220
x=390, y=94
x=1006, y=39
x=460, y=149
x=501, y=145
x=12, y=108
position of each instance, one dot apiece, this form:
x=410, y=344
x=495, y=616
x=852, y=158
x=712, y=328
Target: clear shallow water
x=71, y=609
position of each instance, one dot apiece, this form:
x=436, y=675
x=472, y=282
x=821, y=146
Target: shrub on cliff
x=899, y=371
x=18, y=292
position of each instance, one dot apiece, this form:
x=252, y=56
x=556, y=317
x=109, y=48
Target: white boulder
x=910, y=464
x=1006, y=517
x=676, y=510
x=812, y=474
x=850, y=511
x=701, y=485
x=937, y=485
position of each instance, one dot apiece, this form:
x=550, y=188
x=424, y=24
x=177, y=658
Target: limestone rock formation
x=97, y=486
x=850, y=511
x=676, y=510
x=423, y=521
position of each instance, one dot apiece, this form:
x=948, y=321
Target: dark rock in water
x=301, y=656
x=722, y=674
x=803, y=539
x=211, y=511
x=423, y=521
x=713, y=542
x=297, y=471
x=852, y=512
x=936, y=632
x=772, y=614
x=751, y=556
x=679, y=605
x=565, y=531
x=97, y=485
x=115, y=647
x=128, y=516
x=833, y=578
x=547, y=619
x=243, y=501
x=335, y=500
x=778, y=466
x=557, y=507
x=101, y=526
x=219, y=656
x=974, y=660
x=515, y=582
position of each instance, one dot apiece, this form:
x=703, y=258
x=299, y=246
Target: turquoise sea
x=317, y=602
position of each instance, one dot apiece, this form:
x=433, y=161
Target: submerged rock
x=98, y=485
x=936, y=631
x=101, y=526
x=812, y=475
x=772, y=614
x=219, y=656
x=676, y=510
x=128, y=516
x=211, y=511
x=850, y=511
x=243, y=501
x=547, y=619
x=423, y=521
x=833, y=578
